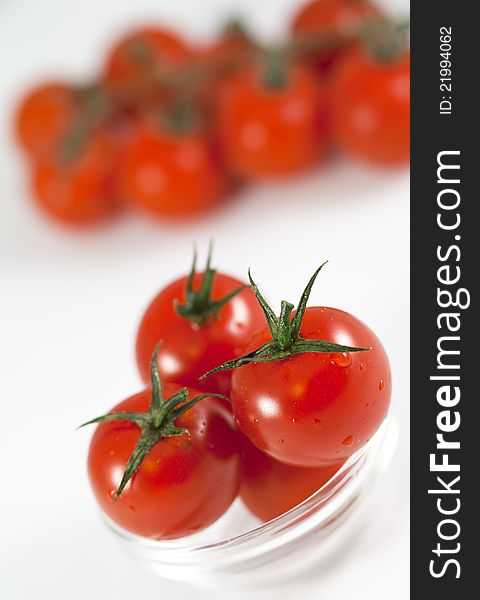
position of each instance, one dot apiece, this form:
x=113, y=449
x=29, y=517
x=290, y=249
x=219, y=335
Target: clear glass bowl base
x=238, y=550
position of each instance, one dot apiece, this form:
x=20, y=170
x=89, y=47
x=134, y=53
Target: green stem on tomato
x=386, y=40
x=275, y=68
x=157, y=423
x=199, y=307
x=285, y=332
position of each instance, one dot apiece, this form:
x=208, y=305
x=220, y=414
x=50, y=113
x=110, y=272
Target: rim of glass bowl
x=320, y=510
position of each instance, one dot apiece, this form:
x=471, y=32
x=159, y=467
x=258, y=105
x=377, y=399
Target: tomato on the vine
x=232, y=49
x=172, y=173
x=45, y=117
x=272, y=121
x=142, y=63
x=228, y=50
x=77, y=183
x=336, y=19
x=370, y=106
x=270, y=488
x=204, y=319
x=161, y=465
x=142, y=53
x=310, y=389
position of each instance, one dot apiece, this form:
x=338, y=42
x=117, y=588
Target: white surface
x=70, y=304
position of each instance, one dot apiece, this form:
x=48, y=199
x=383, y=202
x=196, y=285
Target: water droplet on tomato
x=362, y=367
x=381, y=384
x=341, y=359
x=281, y=440
x=348, y=441
x=255, y=421
x=294, y=420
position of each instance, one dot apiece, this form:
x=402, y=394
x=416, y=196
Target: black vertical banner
x=445, y=268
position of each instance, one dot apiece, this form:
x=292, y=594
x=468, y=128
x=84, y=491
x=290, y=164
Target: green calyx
x=386, y=39
x=76, y=140
x=94, y=109
x=235, y=28
x=156, y=424
x=285, y=331
x=199, y=306
x=181, y=117
x=275, y=69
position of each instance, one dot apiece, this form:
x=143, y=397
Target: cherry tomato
x=189, y=349
x=142, y=51
x=183, y=484
x=332, y=17
x=228, y=49
x=79, y=188
x=314, y=409
x=270, y=488
x=45, y=116
x=233, y=48
x=370, y=103
x=270, y=131
x=172, y=174
x=140, y=64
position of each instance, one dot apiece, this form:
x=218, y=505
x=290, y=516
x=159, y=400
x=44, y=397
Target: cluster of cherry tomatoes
x=238, y=402
x=171, y=128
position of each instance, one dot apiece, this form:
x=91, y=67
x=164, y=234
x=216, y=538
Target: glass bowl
x=239, y=550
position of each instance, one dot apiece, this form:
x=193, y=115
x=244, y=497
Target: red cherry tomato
x=45, y=116
x=232, y=49
x=229, y=49
x=267, y=131
x=185, y=482
x=188, y=349
x=314, y=409
x=370, y=104
x=332, y=17
x=270, y=488
x=172, y=174
x=143, y=50
x=139, y=65
x=78, y=189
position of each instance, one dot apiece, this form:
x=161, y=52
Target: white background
x=70, y=304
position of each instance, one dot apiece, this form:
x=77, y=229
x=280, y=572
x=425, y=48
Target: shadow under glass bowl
x=238, y=550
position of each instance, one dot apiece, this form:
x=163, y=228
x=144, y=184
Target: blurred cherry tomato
x=136, y=68
x=191, y=348
x=229, y=48
x=332, y=18
x=172, y=174
x=232, y=49
x=270, y=488
x=142, y=51
x=270, y=130
x=45, y=116
x=77, y=184
x=370, y=104
x=184, y=483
